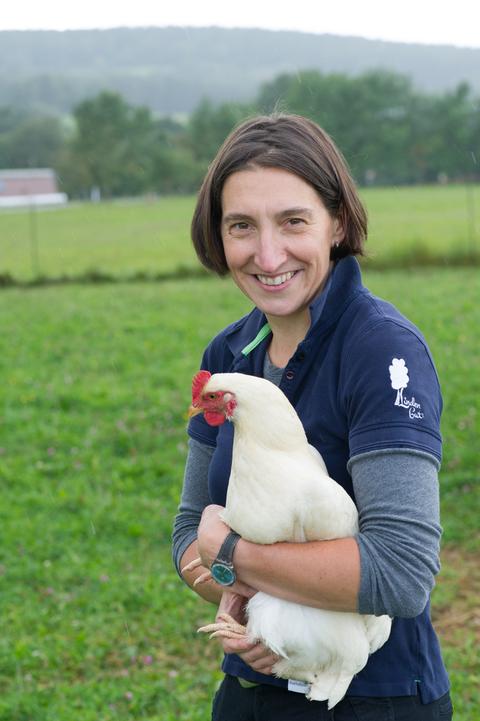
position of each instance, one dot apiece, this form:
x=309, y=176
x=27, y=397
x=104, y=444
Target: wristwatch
x=222, y=568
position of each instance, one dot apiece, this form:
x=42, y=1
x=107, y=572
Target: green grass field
x=95, y=385
x=118, y=238
x=407, y=225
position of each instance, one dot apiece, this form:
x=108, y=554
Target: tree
x=399, y=378
x=112, y=145
x=454, y=139
x=29, y=141
x=209, y=126
x=174, y=167
x=366, y=115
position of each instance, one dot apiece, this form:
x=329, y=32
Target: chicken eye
x=211, y=396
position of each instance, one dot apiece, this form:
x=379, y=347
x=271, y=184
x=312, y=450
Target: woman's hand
x=253, y=653
x=212, y=532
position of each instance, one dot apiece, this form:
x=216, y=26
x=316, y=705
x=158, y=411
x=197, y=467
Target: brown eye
x=211, y=396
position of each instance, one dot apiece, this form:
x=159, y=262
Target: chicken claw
x=224, y=627
x=202, y=578
x=192, y=565
x=196, y=563
x=223, y=616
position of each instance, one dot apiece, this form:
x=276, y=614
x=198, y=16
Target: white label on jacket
x=298, y=686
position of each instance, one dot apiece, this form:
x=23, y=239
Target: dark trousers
x=232, y=702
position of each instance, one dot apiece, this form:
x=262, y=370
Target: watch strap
x=227, y=548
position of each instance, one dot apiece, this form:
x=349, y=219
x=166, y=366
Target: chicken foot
x=192, y=565
x=196, y=563
x=224, y=627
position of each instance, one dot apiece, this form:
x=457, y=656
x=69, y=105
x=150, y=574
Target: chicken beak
x=194, y=411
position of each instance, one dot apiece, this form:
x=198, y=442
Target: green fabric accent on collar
x=262, y=333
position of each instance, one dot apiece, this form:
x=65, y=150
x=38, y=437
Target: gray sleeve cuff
x=396, y=492
x=194, y=499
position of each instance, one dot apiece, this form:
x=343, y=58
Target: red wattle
x=214, y=418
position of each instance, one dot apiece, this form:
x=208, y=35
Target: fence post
x=33, y=225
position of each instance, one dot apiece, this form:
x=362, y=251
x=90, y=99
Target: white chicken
x=275, y=471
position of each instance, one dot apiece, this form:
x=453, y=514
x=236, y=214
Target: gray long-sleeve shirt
x=396, y=493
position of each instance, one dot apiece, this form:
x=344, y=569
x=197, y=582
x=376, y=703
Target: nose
x=270, y=253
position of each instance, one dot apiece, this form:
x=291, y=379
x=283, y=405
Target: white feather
x=279, y=490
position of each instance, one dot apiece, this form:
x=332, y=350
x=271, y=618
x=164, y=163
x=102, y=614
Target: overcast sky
x=423, y=21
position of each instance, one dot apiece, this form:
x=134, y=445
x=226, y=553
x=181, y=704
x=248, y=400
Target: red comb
x=198, y=384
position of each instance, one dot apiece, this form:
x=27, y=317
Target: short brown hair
x=295, y=144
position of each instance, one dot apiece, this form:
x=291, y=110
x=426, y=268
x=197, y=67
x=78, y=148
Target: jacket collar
x=251, y=333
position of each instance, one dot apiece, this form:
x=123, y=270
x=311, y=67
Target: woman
x=279, y=211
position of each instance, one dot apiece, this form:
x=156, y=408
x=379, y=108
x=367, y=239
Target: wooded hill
x=171, y=69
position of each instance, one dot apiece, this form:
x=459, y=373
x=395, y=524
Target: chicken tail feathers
x=329, y=687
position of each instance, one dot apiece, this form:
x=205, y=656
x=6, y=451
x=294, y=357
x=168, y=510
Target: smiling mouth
x=275, y=279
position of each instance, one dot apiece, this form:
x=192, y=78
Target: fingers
x=256, y=655
x=237, y=645
x=234, y=640
x=260, y=658
x=243, y=589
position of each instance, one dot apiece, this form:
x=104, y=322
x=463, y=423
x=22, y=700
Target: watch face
x=223, y=574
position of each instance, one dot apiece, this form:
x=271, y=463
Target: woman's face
x=277, y=236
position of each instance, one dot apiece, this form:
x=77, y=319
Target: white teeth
x=276, y=279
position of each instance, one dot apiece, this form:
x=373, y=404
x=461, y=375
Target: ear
x=338, y=233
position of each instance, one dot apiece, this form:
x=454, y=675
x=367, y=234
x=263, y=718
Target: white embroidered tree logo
x=399, y=378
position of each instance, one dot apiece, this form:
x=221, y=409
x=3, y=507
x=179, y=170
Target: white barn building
x=29, y=186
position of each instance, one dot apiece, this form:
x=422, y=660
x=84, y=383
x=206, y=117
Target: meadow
x=95, y=385
x=428, y=225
